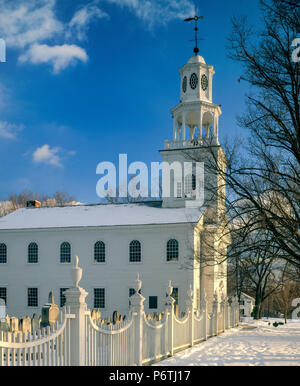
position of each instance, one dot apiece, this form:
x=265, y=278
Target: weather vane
x=195, y=18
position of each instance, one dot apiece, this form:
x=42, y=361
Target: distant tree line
x=16, y=201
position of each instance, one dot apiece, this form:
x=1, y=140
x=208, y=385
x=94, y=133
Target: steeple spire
x=195, y=18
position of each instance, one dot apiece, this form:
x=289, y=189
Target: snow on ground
x=252, y=343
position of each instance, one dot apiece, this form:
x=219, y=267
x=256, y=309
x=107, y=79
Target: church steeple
x=195, y=136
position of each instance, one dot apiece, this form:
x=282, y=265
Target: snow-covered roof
x=98, y=215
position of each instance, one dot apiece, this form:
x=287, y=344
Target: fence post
x=203, y=308
x=231, y=313
x=236, y=308
x=223, y=301
x=215, y=305
x=190, y=310
x=227, y=313
x=75, y=301
x=137, y=308
x=170, y=312
x=234, y=311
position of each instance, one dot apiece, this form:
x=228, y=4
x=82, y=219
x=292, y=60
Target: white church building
x=161, y=240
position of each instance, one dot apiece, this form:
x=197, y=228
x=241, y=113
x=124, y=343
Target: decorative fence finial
x=51, y=297
x=169, y=288
x=138, y=283
x=76, y=273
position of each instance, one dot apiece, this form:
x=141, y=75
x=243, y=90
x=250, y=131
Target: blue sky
x=87, y=80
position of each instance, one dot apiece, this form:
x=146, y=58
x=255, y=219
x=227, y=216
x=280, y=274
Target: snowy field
x=253, y=343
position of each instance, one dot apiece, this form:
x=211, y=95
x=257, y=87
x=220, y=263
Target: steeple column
x=178, y=131
x=215, y=128
x=192, y=131
x=200, y=123
x=206, y=127
x=175, y=129
x=183, y=125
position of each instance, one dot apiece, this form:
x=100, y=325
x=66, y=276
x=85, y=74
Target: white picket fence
x=77, y=339
x=50, y=346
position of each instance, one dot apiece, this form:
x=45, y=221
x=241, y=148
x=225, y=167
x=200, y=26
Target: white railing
x=181, y=332
x=155, y=339
x=78, y=339
x=49, y=346
x=109, y=345
x=183, y=144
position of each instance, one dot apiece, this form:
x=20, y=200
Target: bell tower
x=196, y=118
x=195, y=140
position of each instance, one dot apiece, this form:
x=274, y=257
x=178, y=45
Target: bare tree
x=269, y=179
x=17, y=201
x=289, y=289
x=260, y=187
x=63, y=198
x=257, y=268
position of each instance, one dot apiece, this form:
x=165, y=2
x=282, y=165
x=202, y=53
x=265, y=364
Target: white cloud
x=31, y=27
x=47, y=155
x=158, y=11
x=83, y=17
x=51, y=156
x=9, y=130
x=26, y=22
x=60, y=57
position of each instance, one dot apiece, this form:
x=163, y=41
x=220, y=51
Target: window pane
x=32, y=253
x=3, y=294
x=65, y=253
x=175, y=295
x=99, y=252
x=193, y=182
x=3, y=254
x=152, y=301
x=190, y=183
x=135, y=251
x=32, y=297
x=62, y=297
x=179, y=190
x=131, y=291
x=99, y=297
x=172, y=250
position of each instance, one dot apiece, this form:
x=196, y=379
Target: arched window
x=3, y=254
x=65, y=252
x=99, y=252
x=190, y=183
x=172, y=250
x=33, y=253
x=135, y=251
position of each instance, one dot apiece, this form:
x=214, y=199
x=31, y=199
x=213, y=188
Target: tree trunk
x=257, y=307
